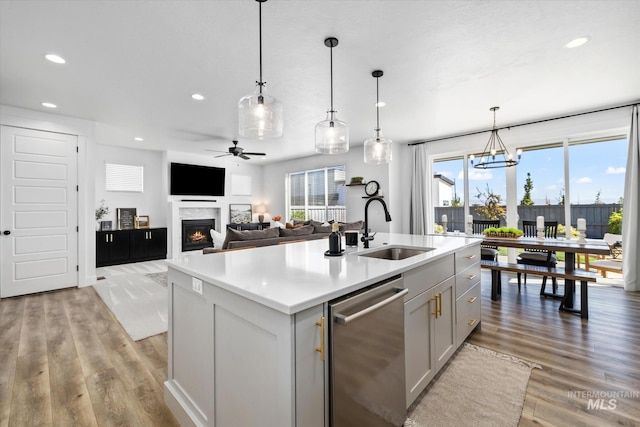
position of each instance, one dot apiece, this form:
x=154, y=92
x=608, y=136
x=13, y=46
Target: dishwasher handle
x=343, y=320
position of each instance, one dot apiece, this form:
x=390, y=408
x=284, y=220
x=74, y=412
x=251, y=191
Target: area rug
x=138, y=302
x=477, y=387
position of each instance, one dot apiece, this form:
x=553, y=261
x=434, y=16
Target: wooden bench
x=580, y=275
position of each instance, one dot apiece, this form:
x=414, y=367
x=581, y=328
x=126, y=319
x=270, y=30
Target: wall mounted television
x=196, y=180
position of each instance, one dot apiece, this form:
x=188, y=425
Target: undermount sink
x=395, y=253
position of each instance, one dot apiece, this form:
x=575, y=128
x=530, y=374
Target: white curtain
x=419, y=212
x=631, y=217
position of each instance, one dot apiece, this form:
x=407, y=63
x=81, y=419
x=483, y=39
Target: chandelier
x=495, y=154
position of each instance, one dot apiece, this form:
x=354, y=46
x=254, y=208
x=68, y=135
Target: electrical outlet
x=196, y=284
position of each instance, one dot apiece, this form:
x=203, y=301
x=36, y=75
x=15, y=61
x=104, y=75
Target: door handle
x=6, y=232
x=343, y=320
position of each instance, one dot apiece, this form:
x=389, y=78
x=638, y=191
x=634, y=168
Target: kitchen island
x=248, y=341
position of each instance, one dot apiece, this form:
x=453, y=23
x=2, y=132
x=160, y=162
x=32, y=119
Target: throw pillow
x=217, y=238
x=322, y=228
x=351, y=225
x=301, y=231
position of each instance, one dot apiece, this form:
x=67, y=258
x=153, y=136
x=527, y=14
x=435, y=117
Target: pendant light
x=495, y=147
x=377, y=150
x=332, y=135
x=260, y=115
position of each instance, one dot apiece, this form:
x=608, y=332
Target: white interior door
x=39, y=213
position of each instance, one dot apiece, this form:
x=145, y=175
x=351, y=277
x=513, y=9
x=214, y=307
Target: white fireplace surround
x=180, y=210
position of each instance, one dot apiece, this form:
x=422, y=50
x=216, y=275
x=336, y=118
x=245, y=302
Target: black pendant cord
x=331, y=73
x=378, y=105
x=261, y=83
x=524, y=124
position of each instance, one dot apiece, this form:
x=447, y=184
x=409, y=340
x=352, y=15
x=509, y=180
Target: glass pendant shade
x=377, y=150
x=260, y=115
x=332, y=135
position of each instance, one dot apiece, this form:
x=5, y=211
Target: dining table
x=570, y=247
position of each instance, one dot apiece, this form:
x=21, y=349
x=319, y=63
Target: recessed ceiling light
x=197, y=97
x=55, y=58
x=578, y=41
x=381, y=104
x=49, y=105
x=137, y=138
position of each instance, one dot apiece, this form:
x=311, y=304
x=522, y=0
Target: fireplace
x=196, y=234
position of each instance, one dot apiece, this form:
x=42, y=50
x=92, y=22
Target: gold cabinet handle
x=438, y=300
x=321, y=348
x=471, y=256
x=471, y=277
x=472, y=322
x=472, y=300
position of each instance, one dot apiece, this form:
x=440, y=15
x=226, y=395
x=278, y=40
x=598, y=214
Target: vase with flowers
x=101, y=212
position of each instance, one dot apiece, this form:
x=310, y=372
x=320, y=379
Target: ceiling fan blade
x=244, y=157
x=222, y=155
x=254, y=154
x=216, y=151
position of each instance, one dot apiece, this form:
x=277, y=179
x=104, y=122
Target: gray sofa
x=308, y=230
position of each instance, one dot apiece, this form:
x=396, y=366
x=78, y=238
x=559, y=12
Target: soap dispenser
x=335, y=240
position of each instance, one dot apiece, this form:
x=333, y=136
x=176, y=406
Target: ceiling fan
x=237, y=152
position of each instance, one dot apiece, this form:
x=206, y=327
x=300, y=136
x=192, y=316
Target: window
x=124, y=177
x=544, y=192
x=317, y=194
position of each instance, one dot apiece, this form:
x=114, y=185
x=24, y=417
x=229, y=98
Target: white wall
x=274, y=185
x=151, y=202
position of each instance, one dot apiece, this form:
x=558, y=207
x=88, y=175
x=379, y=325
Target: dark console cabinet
x=124, y=246
x=112, y=247
x=148, y=244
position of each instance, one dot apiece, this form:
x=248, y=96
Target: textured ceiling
x=132, y=65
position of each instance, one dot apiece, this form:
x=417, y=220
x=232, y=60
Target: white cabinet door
x=310, y=367
x=445, y=322
x=419, y=342
x=39, y=211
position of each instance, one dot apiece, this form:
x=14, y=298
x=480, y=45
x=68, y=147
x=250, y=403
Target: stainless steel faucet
x=365, y=236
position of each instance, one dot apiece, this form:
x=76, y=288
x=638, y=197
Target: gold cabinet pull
x=471, y=277
x=471, y=256
x=472, y=300
x=472, y=322
x=438, y=300
x=321, y=348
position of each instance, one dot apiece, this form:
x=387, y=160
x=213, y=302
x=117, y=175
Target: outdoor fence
x=597, y=216
x=321, y=213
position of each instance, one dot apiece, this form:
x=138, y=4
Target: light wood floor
x=65, y=361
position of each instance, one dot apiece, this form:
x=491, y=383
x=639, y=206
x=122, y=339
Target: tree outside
x=492, y=204
x=528, y=186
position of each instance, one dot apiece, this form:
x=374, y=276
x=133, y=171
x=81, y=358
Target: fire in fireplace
x=196, y=234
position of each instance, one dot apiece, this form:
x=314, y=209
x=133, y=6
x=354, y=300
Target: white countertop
x=296, y=276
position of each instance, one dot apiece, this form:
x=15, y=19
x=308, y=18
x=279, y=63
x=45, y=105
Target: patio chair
x=539, y=257
x=489, y=253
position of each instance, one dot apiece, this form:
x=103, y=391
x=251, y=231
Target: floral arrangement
x=277, y=218
x=102, y=210
x=506, y=232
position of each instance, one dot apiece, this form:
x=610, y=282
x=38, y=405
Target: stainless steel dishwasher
x=367, y=357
